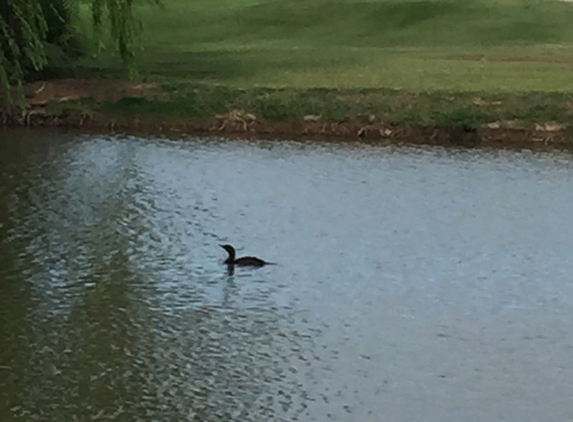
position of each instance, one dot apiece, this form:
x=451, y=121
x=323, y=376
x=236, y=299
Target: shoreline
x=351, y=129
x=447, y=119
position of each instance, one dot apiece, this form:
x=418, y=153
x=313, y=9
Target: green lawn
x=414, y=45
x=428, y=49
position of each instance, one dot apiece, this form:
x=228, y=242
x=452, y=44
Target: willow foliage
x=28, y=26
x=125, y=27
x=22, y=33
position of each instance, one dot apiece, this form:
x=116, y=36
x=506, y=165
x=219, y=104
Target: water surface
x=412, y=283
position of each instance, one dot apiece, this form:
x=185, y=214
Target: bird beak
x=223, y=246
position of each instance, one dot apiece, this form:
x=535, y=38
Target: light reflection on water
x=412, y=283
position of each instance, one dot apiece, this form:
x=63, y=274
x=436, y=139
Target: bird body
x=246, y=261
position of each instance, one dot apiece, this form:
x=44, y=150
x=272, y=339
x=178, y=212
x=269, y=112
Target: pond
x=411, y=283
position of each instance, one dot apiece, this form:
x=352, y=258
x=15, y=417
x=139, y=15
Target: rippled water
x=412, y=284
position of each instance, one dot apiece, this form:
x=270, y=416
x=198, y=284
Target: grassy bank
x=426, y=62
x=396, y=106
x=426, y=45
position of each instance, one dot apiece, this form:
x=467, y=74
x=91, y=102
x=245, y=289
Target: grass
x=428, y=61
x=413, y=45
x=399, y=106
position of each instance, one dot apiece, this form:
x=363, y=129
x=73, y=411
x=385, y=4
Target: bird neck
x=231, y=258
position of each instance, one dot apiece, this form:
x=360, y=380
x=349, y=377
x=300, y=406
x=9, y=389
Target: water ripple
x=405, y=275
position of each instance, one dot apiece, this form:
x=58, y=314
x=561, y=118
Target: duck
x=246, y=261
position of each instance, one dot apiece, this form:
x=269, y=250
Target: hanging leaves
x=24, y=30
x=22, y=33
x=125, y=27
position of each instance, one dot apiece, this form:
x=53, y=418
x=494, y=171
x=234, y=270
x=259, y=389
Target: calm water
x=413, y=284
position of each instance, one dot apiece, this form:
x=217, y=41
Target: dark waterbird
x=246, y=261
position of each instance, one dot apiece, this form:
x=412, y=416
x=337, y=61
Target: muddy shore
x=380, y=132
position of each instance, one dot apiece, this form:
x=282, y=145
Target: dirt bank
x=75, y=104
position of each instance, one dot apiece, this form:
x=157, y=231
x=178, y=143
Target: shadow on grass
x=210, y=65
x=230, y=65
